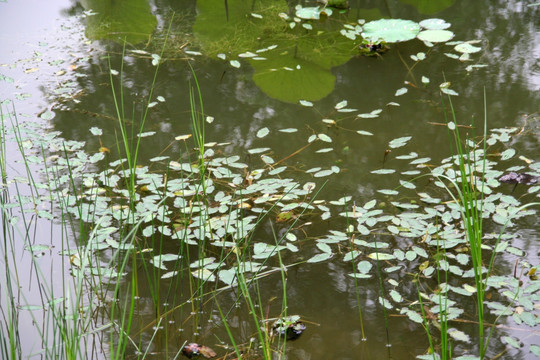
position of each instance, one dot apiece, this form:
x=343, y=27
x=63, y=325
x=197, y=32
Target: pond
x=270, y=179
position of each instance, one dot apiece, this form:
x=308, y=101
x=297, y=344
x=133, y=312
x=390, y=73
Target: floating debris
x=289, y=327
x=517, y=178
x=194, y=349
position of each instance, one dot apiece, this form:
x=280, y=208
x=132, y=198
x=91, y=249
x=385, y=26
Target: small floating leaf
x=319, y=257
x=364, y=266
x=399, y=142
x=96, y=131
x=448, y=91
x=288, y=130
x=340, y=105
x=305, y=103
x=380, y=256
x=263, y=132
x=401, y=91
x=459, y=335
x=383, y=171
x=363, y=132
x=507, y=154
x=467, y=48
x=324, y=137
x=235, y=63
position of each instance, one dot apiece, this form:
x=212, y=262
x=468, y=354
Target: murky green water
x=78, y=90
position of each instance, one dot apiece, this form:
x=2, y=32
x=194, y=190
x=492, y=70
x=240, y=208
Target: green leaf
x=507, y=154
x=396, y=296
x=364, y=266
x=263, y=132
x=467, y=48
x=401, y=91
x=383, y=171
x=390, y=30
x=459, y=335
x=312, y=13
x=399, y=142
x=435, y=36
x=511, y=341
x=320, y=257
x=324, y=247
x=380, y=256
x=434, y=24
x=535, y=349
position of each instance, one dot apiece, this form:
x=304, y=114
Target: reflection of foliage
x=288, y=83
x=232, y=30
x=117, y=20
x=298, y=68
x=429, y=7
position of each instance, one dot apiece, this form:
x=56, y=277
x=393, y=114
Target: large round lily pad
x=435, y=36
x=391, y=30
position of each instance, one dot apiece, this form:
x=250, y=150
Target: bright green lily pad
x=391, y=30
x=435, y=36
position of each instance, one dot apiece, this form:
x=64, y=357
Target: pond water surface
x=57, y=55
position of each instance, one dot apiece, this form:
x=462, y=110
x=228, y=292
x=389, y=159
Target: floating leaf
x=380, y=256
x=235, y=63
x=341, y=105
x=390, y=30
x=96, y=131
x=263, y=132
x=401, y=91
x=434, y=24
x=363, y=132
x=396, y=296
x=312, y=13
x=459, y=335
x=324, y=137
x=288, y=130
x=319, y=258
x=449, y=91
x=507, y=154
x=383, y=171
x=467, y=48
x=435, y=36
x=511, y=341
x=399, y=142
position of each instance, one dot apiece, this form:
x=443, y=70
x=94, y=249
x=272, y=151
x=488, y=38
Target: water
x=321, y=293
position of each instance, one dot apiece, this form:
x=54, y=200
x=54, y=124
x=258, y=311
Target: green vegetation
x=201, y=229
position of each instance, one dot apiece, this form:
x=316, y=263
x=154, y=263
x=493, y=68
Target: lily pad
x=434, y=36
x=312, y=13
x=434, y=24
x=467, y=48
x=391, y=30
